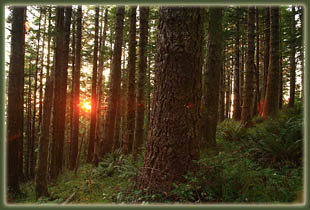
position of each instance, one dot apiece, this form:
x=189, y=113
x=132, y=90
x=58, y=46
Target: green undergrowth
x=91, y=185
x=260, y=164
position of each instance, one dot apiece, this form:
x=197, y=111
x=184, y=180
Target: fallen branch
x=69, y=199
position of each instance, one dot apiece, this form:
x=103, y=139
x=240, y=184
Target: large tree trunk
x=212, y=80
x=93, y=117
x=131, y=93
x=115, y=84
x=140, y=106
x=246, y=113
x=76, y=86
x=292, y=59
x=237, y=108
x=272, y=93
x=173, y=141
x=15, y=109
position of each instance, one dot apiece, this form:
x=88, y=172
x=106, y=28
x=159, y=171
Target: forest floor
x=261, y=164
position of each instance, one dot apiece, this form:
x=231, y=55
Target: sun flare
x=86, y=106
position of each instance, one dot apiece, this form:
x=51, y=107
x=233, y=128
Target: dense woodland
x=146, y=104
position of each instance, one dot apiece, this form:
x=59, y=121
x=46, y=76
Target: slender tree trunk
x=237, y=108
x=76, y=108
x=242, y=72
x=93, y=118
x=131, y=93
x=29, y=127
x=64, y=78
x=140, y=106
x=228, y=93
x=41, y=171
x=257, y=93
x=280, y=66
x=292, y=59
x=57, y=118
x=266, y=51
x=15, y=109
x=212, y=81
x=249, y=72
x=41, y=73
x=115, y=84
x=34, y=133
x=272, y=93
x=72, y=101
x=222, y=92
x=101, y=83
x=302, y=56
x=173, y=141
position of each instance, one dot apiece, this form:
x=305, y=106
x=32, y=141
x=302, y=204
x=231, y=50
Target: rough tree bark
x=173, y=140
x=257, y=92
x=212, y=81
x=32, y=157
x=76, y=107
x=131, y=92
x=93, y=117
x=101, y=82
x=271, y=105
x=41, y=171
x=56, y=120
x=109, y=129
x=266, y=51
x=246, y=113
x=237, y=108
x=15, y=109
x=140, y=106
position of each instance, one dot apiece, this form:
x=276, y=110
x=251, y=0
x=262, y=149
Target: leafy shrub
x=230, y=130
x=277, y=141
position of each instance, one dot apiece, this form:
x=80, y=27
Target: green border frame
x=3, y=3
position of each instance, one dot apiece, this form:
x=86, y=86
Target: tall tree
x=93, y=117
x=140, y=106
x=131, y=95
x=115, y=83
x=271, y=105
x=15, y=109
x=172, y=143
x=212, y=80
x=57, y=118
x=76, y=91
x=41, y=170
x=266, y=51
x=237, y=108
x=101, y=80
x=257, y=92
x=34, y=133
x=292, y=58
x=249, y=72
x=41, y=70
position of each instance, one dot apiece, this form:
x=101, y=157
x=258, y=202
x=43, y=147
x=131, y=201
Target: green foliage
x=278, y=140
x=230, y=130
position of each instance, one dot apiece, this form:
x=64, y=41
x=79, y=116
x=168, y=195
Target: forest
x=131, y=104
